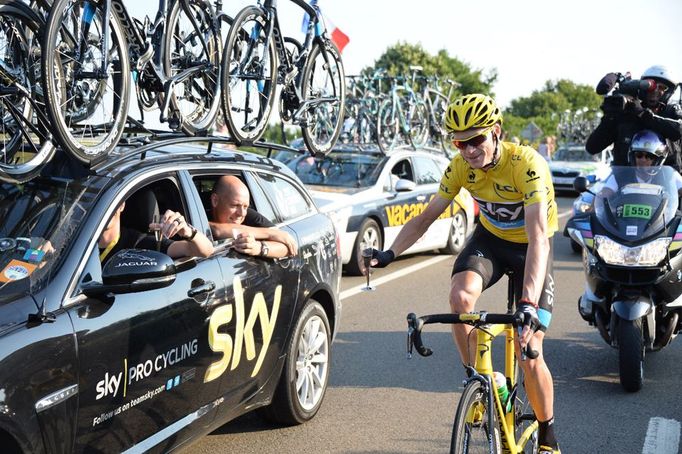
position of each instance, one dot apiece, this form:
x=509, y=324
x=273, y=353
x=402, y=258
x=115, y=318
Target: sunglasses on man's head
x=644, y=155
x=473, y=142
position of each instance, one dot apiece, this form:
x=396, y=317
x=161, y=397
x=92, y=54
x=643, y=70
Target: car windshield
x=349, y=170
x=38, y=221
x=575, y=154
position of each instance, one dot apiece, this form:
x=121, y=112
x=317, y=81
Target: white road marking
x=662, y=436
x=382, y=280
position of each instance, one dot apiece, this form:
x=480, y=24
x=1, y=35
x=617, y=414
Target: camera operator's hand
x=381, y=259
x=634, y=108
x=613, y=106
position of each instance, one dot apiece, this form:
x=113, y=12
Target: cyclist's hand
x=529, y=314
x=381, y=259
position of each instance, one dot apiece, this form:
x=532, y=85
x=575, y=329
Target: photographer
x=636, y=105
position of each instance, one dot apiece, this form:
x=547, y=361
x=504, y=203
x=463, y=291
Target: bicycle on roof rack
x=173, y=60
x=257, y=59
x=25, y=138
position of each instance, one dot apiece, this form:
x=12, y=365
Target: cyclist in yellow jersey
x=518, y=216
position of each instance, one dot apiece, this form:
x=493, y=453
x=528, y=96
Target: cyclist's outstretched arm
x=538, y=251
x=416, y=227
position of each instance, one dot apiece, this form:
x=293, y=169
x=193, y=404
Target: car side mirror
x=580, y=184
x=133, y=270
x=403, y=185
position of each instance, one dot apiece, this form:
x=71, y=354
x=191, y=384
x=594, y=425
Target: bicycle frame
x=146, y=45
x=484, y=372
x=285, y=72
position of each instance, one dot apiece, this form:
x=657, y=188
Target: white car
x=572, y=161
x=370, y=196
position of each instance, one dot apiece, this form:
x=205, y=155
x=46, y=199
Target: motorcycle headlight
x=580, y=206
x=649, y=254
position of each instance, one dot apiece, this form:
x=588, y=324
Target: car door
x=406, y=204
x=247, y=333
x=143, y=357
x=428, y=174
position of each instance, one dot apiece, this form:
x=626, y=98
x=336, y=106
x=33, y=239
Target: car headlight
x=580, y=206
x=649, y=254
x=340, y=218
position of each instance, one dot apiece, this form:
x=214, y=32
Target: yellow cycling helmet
x=476, y=112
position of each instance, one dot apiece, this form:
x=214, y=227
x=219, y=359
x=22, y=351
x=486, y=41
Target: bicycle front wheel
x=86, y=102
x=526, y=425
x=248, y=76
x=25, y=144
x=387, y=126
x=191, y=44
x=324, y=87
x=471, y=432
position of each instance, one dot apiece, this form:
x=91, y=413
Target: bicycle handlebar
x=415, y=325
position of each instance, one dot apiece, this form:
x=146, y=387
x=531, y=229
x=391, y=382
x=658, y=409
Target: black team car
x=146, y=353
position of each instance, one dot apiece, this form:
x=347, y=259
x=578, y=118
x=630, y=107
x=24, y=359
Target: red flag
x=338, y=37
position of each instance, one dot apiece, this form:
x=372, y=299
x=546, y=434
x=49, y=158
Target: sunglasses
x=473, y=142
x=644, y=155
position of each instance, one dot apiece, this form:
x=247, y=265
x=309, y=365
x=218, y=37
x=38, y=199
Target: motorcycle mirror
x=580, y=184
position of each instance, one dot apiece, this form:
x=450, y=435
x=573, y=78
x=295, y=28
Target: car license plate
x=563, y=180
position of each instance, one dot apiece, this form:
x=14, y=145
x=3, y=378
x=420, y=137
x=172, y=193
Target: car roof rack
x=146, y=140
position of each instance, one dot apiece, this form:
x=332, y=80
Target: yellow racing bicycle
x=483, y=422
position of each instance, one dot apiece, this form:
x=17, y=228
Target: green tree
x=397, y=59
x=546, y=107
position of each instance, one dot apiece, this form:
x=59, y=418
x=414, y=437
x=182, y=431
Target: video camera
x=622, y=93
x=614, y=84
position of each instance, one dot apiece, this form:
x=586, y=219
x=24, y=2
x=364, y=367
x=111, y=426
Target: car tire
x=457, y=235
x=305, y=375
x=369, y=235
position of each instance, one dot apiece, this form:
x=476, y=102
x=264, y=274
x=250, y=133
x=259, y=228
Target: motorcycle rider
x=648, y=150
x=621, y=120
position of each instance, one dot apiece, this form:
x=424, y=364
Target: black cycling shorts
x=490, y=257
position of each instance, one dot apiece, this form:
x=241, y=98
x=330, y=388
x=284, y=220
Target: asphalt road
x=380, y=402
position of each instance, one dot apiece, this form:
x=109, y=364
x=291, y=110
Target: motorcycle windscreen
x=637, y=202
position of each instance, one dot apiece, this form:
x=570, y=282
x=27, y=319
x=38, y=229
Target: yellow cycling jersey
x=520, y=178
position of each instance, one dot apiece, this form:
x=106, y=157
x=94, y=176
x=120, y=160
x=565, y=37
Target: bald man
x=255, y=234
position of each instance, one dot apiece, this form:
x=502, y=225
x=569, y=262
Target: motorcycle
x=631, y=244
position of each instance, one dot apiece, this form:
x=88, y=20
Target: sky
x=527, y=42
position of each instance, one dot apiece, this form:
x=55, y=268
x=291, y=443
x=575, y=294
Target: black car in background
x=148, y=358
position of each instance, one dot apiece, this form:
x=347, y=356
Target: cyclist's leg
x=538, y=379
x=475, y=269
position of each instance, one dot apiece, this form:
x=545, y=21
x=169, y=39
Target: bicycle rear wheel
x=419, y=124
x=324, y=85
x=248, y=76
x=470, y=430
x=87, y=104
x=25, y=144
x=191, y=42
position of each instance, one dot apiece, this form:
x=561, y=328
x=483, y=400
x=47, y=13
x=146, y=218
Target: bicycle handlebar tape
x=417, y=324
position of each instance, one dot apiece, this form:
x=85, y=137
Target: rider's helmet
x=476, y=113
x=651, y=143
x=661, y=74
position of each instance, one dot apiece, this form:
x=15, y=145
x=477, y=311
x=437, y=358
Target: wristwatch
x=192, y=235
x=264, y=249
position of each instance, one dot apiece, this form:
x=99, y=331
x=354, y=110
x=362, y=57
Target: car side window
x=427, y=170
x=257, y=200
x=403, y=169
x=288, y=200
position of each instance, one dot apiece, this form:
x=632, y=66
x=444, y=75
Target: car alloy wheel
x=305, y=375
